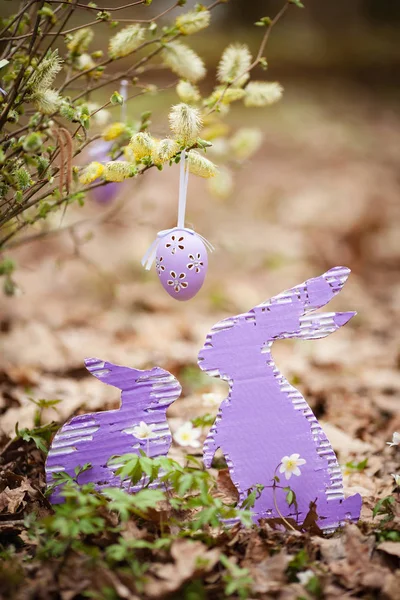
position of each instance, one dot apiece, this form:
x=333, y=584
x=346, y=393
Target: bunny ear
x=321, y=290
x=97, y=367
x=315, y=292
x=320, y=325
x=120, y=377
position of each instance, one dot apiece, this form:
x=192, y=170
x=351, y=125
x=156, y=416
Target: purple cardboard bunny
x=265, y=427
x=139, y=424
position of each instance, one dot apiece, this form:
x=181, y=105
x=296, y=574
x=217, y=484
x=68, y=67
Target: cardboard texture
x=265, y=419
x=95, y=438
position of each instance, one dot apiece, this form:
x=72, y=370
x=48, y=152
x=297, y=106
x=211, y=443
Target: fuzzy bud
x=185, y=122
x=183, y=61
x=245, y=142
x=235, y=61
x=118, y=170
x=129, y=154
x=100, y=117
x=221, y=185
x=85, y=62
x=188, y=92
x=164, y=150
x=79, y=41
x=193, y=21
x=126, y=41
x=45, y=73
x=262, y=93
x=225, y=95
x=32, y=142
x=47, y=101
x=201, y=166
x=93, y=171
x=113, y=131
x=22, y=179
x=142, y=145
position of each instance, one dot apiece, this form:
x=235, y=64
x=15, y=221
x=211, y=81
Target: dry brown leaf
x=392, y=548
x=191, y=558
x=269, y=574
x=13, y=499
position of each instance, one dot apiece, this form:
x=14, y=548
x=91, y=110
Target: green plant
x=237, y=580
x=40, y=435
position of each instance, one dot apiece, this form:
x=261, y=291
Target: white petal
x=288, y=474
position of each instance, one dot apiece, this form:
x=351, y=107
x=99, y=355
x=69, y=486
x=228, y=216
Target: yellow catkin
x=164, y=150
x=201, y=166
x=193, y=21
x=93, y=171
x=113, y=131
x=186, y=122
x=141, y=144
x=117, y=170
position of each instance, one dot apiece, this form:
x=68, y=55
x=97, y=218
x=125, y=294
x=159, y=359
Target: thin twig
x=258, y=56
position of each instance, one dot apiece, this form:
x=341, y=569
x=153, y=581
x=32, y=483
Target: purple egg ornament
x=103, y=194
x=181, y=263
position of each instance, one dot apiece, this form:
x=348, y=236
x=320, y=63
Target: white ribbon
x=123, y=90
x=150, y=254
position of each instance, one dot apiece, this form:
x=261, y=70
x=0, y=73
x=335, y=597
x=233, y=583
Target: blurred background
x=322, y=190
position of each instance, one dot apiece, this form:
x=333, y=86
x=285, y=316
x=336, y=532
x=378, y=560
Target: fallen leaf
x=191, y=559
x=392, y=548
x=12, y=499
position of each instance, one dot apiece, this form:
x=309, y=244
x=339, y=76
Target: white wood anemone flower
x=305, y=576
x=144, y=431
x=212, y=399
x=290, y=465
x=396, y=479
x=187, y=435
x=395, y=439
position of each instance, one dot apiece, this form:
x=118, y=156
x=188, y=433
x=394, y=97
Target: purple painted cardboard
x=265, y=418
x=95, y=438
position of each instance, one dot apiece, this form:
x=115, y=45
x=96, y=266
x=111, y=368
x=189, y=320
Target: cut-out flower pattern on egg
x=177, y=281
x=175, y=244
x=159, y=266
x=183, y=255
x=195, y=262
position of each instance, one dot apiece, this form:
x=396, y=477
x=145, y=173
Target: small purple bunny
x=265, y=427
x=139, y=424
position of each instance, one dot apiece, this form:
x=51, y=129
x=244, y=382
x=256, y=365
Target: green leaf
x=263, y=22
x=7, y=266
x=383, y=506
x=297, y=3
x=116, y=98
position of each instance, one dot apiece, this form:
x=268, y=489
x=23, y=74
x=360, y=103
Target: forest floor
x=323, y=191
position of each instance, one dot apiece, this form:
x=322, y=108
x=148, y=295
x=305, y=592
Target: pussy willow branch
x=42, y=183
x=258, y=57
x=65, y=21
x=96, y=22
x=96, y=8
x=32, y=193
x=14, y=92
x=59, y=202
x=17, y=16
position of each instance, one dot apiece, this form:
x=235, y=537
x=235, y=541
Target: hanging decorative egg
x=181, y=263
